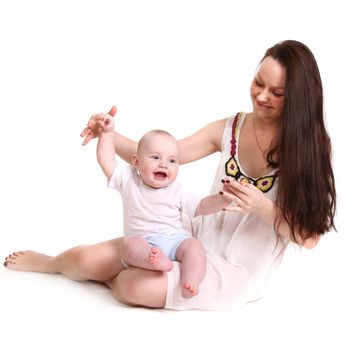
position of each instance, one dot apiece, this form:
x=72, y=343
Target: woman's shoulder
x=236, y=119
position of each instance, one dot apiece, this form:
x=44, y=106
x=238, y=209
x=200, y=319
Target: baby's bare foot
x=189, y=289
x=29, y=261
x=159, y=261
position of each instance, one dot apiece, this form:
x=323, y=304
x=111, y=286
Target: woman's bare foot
x=29, y=261
x=189, y=289
x=159, y=261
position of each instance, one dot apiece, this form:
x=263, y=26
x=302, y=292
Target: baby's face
x=158, y=161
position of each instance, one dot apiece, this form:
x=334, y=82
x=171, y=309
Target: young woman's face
x=267, y=89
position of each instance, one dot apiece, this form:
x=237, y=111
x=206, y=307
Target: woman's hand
x=247, y=197
x=250, y=199
x=93, y=128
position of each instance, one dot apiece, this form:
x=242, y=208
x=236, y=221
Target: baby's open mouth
x=160, y=175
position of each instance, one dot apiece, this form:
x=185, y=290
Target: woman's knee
x=82, y=261
x=129, y=245
x=96, y=262
x=140, y=287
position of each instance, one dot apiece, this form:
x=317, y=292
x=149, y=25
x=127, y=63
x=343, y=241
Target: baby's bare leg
x=192, y=256
x=99, y=262
x=137, y=252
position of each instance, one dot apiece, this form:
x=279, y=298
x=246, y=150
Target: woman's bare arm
x=124, y=147
x=199, y=145
x=270, y=213
x=202, y=143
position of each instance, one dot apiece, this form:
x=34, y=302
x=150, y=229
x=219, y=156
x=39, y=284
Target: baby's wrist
x=106, y=134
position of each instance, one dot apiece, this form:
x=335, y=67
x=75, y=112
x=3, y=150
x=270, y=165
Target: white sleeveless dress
x=242, y=249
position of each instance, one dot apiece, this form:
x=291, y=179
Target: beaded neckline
x=232, y=169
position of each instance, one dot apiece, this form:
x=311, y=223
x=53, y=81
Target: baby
x=153, y=204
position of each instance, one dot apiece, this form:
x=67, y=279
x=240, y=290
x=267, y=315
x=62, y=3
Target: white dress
x=242, y=249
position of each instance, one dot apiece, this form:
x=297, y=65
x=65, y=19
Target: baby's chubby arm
x=212, y=204
x=105, y=146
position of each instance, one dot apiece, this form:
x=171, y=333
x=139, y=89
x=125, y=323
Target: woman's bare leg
x=139, y=287
x=99, y=262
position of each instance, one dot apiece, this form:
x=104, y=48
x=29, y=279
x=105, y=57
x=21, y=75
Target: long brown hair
x=306, y=193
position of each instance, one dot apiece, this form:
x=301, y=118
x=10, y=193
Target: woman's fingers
x=113, y=111
x=234, y=186
x=92, y=121
x=229, y=197
x=85, y=132
x=88, y=138
x=235, y=208
x=243, y=194
x=236, y=191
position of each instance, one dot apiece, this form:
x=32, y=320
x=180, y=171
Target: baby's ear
x=135, y=161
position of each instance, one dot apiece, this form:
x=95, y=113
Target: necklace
x=256, y=138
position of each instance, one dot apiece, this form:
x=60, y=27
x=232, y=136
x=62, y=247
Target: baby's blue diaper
x=168, y=244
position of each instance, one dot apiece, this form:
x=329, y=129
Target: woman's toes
x=10, y=259
x=18, y=253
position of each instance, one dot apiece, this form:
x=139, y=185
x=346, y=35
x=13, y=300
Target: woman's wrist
x=269, y=214
x=267, y=211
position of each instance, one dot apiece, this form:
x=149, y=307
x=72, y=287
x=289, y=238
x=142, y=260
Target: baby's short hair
x=151, y=134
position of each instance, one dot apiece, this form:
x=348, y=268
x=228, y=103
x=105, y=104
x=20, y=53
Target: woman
x=275, y=165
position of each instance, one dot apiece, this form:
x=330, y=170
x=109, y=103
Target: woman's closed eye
x=278, y=94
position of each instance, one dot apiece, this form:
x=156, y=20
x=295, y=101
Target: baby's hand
x=106, y=122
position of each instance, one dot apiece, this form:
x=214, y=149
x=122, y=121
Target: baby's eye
x=172, y=160
x=155, y=157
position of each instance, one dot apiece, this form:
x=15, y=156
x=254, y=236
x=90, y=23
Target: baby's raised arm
x=105, y=151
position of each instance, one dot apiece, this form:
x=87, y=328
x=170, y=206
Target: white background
x=176, y=65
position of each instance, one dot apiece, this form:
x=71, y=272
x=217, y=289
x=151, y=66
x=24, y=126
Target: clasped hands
x=98, y=122
x=245, y=197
